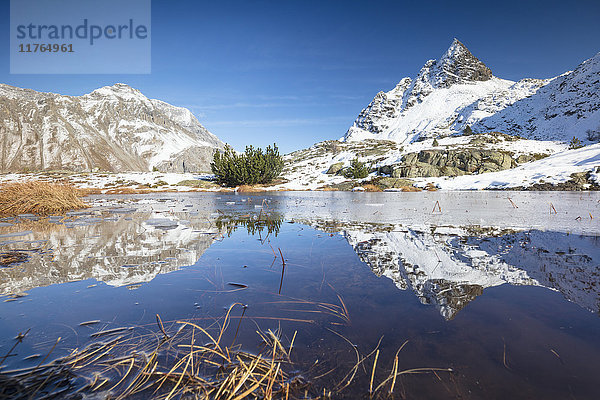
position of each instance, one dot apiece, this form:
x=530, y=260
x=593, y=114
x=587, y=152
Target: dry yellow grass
x=41, y=198
x=128, y=190
x=369, y=187
x=410, y=189
x=431, y=187
x=184, y=359
x=250, y=189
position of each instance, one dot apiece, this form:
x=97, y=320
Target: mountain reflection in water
x=500, y=294
x=446, y=266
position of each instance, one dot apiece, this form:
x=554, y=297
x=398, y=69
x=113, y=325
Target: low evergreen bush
x=575, y=143
x=252, y=167
x=356, y=170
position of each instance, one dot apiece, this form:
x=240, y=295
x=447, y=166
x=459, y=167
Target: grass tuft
x=41, y=198
x=369, y=187
x=249, y=189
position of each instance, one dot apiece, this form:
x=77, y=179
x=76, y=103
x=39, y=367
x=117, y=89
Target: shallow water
x=504, y=288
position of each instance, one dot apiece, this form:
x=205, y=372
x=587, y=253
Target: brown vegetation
x=369, y=187
x=250, y=189
x=41, y=198
x=410, y=189
x=431, y=187
x=182, y=359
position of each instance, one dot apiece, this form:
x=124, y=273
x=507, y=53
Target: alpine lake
x=428, y=295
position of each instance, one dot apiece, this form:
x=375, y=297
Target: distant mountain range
x=459, y=92
x=114, y=128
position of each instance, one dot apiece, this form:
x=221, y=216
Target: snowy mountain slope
x=114, y=128
x=447, y=95
x=568, y=106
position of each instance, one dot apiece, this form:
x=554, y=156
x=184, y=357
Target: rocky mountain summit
x=114, y=128
x=458, y=92
x=455, y=119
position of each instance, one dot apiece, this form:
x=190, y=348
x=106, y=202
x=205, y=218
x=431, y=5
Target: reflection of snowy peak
x=118, y=253
x=458, y=90
x=114, y=128
x=568, y=106
x=426, y=264
x=451, y=267
x=565, y=262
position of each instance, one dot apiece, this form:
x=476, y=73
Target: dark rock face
x=384, y=107
x=434, y=163
x=458, y=65
x=394, y=183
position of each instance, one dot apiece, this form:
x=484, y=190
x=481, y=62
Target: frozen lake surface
x=501, y=287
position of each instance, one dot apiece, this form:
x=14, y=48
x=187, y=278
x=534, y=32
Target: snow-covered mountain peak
x=113, y=128
x=431, y=102
x=119, y=91
x=457, y=65
x=459, y=91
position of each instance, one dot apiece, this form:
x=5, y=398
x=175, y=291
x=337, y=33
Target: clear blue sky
x=298, y=72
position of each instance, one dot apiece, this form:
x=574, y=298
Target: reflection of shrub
x=250, y=168
x=356, y=170
x=272, y=223
x=575, y=144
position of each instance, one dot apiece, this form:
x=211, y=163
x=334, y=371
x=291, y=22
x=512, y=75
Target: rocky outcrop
x=434, y=163
x=114, y=128
x=335, y=168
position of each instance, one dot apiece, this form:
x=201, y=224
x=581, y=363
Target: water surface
x=501, y=287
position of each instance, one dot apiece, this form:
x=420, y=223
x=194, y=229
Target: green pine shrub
x=575, y=143
x=356, y=170
x=252, y=167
